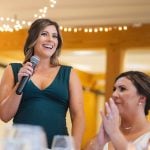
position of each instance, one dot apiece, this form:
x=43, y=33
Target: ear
x=142, y=99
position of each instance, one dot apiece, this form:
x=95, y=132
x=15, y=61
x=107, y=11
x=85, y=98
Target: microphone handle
x=22, y=84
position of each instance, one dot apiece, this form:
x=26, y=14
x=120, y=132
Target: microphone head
x=34, y=60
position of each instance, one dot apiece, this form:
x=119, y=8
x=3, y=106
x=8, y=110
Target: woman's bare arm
x=76, y=109
x=9, y=100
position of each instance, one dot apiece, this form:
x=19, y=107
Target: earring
x=140, y=103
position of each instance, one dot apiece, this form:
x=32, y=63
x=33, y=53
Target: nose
x=50, y=37
x=115, y=94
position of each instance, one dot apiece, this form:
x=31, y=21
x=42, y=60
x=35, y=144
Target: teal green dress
x=46, y=108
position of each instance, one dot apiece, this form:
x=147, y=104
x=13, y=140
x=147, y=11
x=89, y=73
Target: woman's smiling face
x=47, y=42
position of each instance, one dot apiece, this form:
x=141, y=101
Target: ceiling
x=80, y=12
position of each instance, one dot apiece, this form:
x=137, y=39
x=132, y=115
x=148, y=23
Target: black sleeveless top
x=46, y=108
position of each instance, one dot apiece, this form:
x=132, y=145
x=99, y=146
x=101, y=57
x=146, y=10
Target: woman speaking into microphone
x=49, y=90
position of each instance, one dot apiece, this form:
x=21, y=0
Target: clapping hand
x=110, y=122
x=102, y=136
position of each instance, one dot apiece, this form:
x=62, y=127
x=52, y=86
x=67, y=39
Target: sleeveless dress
x=47, y=107
x=140, y=143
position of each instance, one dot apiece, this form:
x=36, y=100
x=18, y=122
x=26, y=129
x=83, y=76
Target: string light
x=41, y=13
x=93, y=29
x=100, y=29
x=125, y=28
x=12, y=24
x=106, y=29
x=52, y=3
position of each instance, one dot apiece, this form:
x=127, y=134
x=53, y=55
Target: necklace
x=127, y=128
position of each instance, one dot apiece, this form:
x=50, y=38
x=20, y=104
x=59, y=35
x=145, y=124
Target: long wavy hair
x=36, y=27
x=141, y=81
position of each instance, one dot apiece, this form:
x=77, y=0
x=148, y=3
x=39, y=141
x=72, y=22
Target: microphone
x=34, y=60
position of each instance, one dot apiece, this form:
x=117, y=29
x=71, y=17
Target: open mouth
x=48, y=46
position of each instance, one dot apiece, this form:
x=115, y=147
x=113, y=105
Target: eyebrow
x=121, y=85
x=48, y=32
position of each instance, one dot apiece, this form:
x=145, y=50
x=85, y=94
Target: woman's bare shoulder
x=7, y=77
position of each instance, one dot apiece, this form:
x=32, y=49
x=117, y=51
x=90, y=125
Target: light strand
x=11, y=24
x=94, y=29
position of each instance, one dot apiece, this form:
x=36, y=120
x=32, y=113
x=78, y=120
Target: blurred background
x=101, y=39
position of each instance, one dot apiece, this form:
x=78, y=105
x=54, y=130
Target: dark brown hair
x=142, y=83
x=36, y=27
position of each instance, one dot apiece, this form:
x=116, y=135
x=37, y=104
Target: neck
x=133, y=125
x=44, y=65
x=126, y=126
